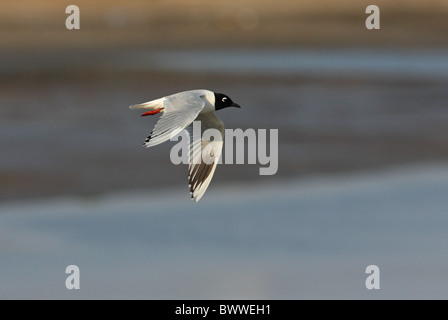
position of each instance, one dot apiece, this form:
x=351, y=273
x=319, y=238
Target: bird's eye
x=224, y=99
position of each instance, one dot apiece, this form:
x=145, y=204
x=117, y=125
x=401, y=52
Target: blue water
x=360, y=62
x=305, y=239
x=354, y=62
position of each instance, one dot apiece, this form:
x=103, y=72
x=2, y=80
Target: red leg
x=152, y=112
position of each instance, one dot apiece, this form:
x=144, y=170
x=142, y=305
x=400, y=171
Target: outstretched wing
x=204, y=153
x=179, y=111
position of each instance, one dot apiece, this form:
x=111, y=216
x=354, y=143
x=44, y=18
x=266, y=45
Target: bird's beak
x=236, y=105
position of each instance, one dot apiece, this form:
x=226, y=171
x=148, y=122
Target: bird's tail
x=150, y=105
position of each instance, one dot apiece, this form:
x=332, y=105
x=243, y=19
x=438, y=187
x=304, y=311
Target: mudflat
x=64, y=118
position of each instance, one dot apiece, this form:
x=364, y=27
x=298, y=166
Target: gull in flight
x=178, y=111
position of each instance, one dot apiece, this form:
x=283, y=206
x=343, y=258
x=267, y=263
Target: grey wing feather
x=179, y=111
x=204, y=154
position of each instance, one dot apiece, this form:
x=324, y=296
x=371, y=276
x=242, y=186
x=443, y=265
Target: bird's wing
x=204, y=154
x=179, y=111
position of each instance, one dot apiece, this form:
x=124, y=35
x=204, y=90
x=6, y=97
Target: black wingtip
x=148, y=138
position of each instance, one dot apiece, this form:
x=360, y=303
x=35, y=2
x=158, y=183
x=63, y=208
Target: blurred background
x=363, y=148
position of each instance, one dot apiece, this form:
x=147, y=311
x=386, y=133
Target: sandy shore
x=175, y=23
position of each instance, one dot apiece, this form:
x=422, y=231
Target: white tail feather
x=150, y=105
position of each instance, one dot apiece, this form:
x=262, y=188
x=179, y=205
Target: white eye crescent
x=224, y=99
